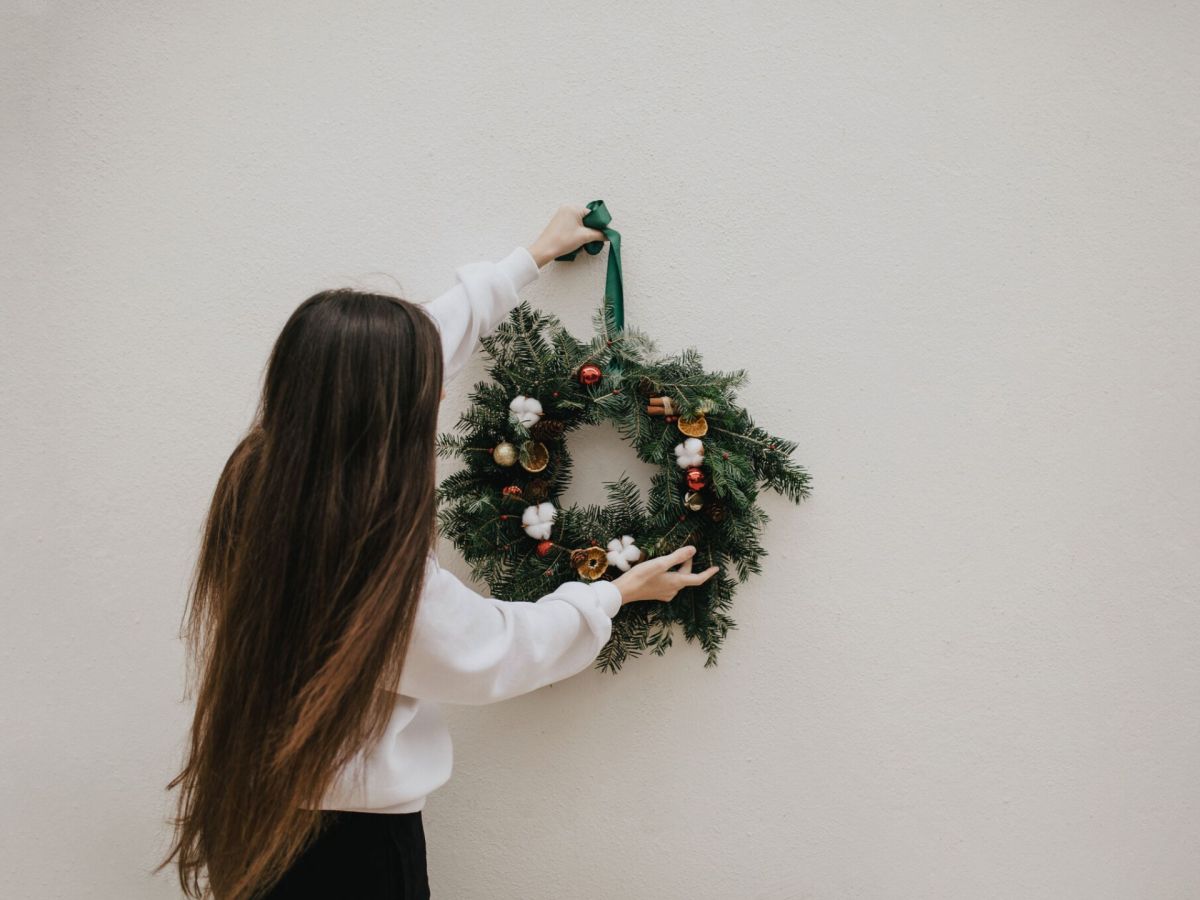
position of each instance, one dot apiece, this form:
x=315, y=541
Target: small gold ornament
x=590, y=563
x=505, y=454
x=534, y=456
x=693, y=426
x=694, y=500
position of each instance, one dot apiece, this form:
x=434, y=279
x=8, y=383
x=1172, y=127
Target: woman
x=323, y=628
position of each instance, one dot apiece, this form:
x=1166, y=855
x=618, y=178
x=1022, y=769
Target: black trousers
x=360, y=856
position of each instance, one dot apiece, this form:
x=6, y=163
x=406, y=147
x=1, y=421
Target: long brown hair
x=305, y=589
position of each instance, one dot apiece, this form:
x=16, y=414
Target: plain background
x=955, y=245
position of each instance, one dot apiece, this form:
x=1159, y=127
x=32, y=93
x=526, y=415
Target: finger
x=686, y=567
x=701, y=577
x=592, y=234
x=674, y=559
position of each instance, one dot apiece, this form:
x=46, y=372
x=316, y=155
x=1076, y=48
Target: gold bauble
x=534, y=456
x=505, y=454
x=694, y=500
x=693, y=426
x=590, y=563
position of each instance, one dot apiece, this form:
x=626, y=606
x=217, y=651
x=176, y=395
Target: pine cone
x=547, y=429
x=647, y=388
x=538, y=490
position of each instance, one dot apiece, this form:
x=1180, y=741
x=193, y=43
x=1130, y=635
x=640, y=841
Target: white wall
x=955, y=245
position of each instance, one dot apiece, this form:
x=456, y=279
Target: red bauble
x=544, y=547
x=512, y=490
x=590, y=374
x=695, y=479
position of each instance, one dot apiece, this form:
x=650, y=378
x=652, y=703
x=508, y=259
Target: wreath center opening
x=600, y=454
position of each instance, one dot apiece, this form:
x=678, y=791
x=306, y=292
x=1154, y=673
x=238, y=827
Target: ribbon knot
x=599, y=218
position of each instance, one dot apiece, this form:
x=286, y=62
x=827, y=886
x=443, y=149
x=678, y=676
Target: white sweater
x=467, y=648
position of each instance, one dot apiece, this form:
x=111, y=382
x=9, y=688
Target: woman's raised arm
x=486, y=291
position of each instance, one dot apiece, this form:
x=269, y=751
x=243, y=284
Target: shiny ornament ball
x=695, y=478
x=505, y=454
x=694, y=500
x=513, y=490
x=590, y=374
x=544, y=547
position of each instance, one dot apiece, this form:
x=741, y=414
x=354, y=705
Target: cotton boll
x=689, y=453
x=538, y=521
x=526, y=410
x=622, y=553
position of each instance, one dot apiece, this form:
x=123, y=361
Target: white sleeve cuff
x=610, y=597
x=520, y=267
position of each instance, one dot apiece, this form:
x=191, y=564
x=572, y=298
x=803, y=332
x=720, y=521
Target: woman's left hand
x=564, y=233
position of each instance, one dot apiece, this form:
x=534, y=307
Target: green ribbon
x=599, y=218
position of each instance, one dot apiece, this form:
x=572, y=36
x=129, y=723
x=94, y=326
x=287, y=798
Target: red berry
x=504, y=518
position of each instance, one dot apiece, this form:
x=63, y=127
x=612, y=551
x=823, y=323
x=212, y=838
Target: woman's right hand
x=564, y=233
x=655, y=580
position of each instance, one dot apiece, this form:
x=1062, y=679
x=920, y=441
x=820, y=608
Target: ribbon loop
x=599, y=217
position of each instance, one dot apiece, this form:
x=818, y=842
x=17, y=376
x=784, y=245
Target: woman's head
x=353, y=374
x=305, y=591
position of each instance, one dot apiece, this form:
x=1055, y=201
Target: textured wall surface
x=954, y=244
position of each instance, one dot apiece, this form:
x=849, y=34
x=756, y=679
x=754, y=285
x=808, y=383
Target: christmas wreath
x=502, y=511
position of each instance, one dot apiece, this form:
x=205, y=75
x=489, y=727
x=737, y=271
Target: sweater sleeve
x=483, y=295
x=470, y=649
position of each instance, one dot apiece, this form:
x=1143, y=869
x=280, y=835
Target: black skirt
x=360, y=855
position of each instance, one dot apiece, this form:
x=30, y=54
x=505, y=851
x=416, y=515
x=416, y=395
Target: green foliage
x=532, y=354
